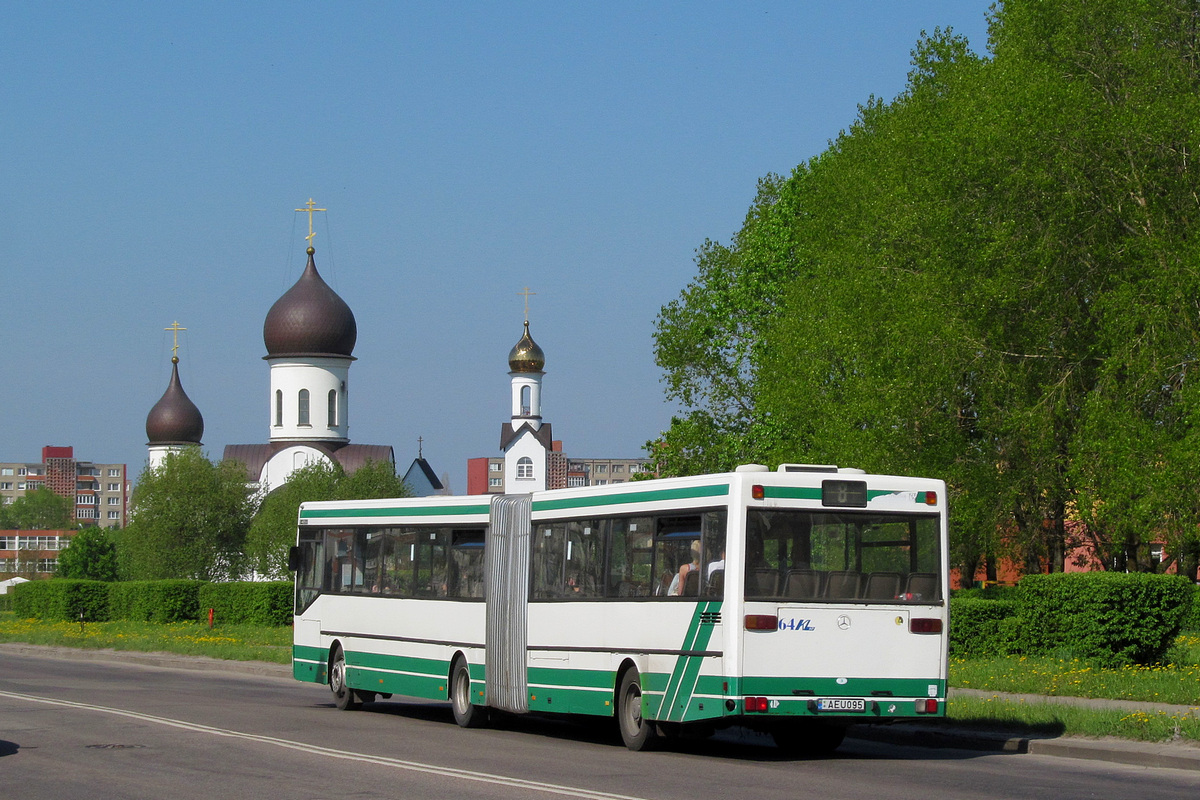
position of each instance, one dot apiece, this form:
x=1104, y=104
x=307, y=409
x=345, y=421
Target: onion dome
x=310, y=320
x=174, y=418
x=526, y=356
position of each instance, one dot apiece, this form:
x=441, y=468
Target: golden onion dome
x=526, y=356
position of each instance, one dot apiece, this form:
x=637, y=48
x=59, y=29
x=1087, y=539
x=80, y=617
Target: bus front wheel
x=466, y=714
x=637, y=732
x=343, y=696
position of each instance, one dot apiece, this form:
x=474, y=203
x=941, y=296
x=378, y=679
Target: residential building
x=31, y=554
x=100, y=491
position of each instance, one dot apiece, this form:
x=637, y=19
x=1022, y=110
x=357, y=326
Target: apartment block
x=100, y=491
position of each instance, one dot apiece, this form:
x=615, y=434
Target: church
x=309, y=334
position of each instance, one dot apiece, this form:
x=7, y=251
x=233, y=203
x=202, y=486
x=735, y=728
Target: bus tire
x=636, y=732
x=466, y=714
x=345, y=698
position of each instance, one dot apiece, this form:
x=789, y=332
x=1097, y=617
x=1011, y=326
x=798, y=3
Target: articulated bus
x=795, y=602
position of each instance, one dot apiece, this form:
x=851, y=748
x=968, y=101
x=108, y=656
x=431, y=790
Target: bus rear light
x=928, y=705
x=924, y=625
x=757, y=492
x=931, y=498
x=755, y=705
x=762, y=622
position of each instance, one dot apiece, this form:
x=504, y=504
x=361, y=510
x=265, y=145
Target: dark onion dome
x=310, y=320
x=174, y=418
x=526, y=356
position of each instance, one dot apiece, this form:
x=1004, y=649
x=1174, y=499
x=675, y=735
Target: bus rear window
x=842, y=556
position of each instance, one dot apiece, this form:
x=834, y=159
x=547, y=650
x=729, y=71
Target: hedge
x=981, y=627
x=247, y=602
x=1110, y=617
x=1192, y=622
x=62, y=600
x=155, y=601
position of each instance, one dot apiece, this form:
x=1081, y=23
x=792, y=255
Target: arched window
x=525, y=468
x=333, y=408
x=302, y=408
x=525, y=404
x=279, y=408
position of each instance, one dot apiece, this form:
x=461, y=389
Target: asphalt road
x=72, y=728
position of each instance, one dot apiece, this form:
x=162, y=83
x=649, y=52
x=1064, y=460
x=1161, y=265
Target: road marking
x=412, y=766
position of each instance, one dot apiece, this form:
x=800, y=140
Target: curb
x=1169, y=755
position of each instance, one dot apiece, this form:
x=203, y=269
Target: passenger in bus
x=680, y=579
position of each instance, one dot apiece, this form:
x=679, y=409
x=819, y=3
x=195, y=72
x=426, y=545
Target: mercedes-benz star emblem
x=843, y=622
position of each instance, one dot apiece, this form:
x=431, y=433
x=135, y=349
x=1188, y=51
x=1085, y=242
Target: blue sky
x=152, y=155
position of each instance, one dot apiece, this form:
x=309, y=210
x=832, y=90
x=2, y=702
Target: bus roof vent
x=808, y=468
x=751, y=468
x=852, y=471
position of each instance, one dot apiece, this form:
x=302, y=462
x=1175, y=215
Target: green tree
x=273, y=530
x=991, y=278
x=39, y=510
x=189, y=519
x=91, y=555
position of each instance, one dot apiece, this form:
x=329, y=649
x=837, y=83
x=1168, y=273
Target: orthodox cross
x=175, y=329
x=527, y=293
x=310, y=211
x=420, y=454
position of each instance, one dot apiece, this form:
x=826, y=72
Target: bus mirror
x=295, y=558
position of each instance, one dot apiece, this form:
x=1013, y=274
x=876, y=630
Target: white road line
x=412, y=766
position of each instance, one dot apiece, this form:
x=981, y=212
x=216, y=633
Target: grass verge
x=1177, y=683
x=1049, y=719
x=230, y=642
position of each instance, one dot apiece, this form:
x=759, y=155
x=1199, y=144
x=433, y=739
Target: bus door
x=506, y=563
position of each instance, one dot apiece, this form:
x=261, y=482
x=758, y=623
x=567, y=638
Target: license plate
x=841, y=704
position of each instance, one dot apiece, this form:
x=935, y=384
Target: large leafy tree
x=273, y=530
x=39, y=510
x=189, y=520
x=91, y=555
x=991, y=278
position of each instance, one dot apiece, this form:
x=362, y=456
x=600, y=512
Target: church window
x=525, y=468
x=333, y=408
x=302, y=408
x=279, y=408
x=525, y=401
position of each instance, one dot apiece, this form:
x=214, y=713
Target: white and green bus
x=795, y=602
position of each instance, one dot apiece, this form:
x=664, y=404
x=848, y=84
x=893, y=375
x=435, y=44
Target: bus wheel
x=636, y=732
x=343, y=696
x=466, y=714
x=810, y=739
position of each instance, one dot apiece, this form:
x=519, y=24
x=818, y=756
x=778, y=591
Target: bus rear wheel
x=466, y=714
x=637, y=732
x=344, y=697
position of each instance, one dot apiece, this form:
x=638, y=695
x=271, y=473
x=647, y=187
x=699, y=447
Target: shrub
x=62, y=600
x=254, y=603
x=981, y=627
x=1110, y=617
x=155, y=601
x=1191, y=623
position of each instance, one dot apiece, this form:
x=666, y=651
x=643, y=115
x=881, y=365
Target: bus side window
x=549, y=552
x=584, y=559
x=466, y=564
x=630, y=557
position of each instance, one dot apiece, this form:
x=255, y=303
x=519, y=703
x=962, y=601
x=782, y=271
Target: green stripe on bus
x=676, y=701
x=410, y=511
x=718, y=490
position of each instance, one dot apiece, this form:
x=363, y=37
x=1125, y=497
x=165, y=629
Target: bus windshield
x=820, y=556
